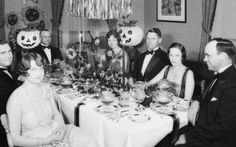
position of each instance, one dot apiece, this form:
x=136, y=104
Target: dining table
x=113, y=125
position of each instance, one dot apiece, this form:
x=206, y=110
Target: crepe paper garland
x=11, y=19
x=100, y=9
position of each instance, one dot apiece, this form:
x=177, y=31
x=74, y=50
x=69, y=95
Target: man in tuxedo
x=214, y=115
x=48, y=52
x=151, y=62
x=8, y=84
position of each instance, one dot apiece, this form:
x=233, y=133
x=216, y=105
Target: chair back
x=5, y=124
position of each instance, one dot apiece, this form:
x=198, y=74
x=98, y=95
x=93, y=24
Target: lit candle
x=80, y=42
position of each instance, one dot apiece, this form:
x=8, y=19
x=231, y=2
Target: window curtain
x=2, y=29
x=57, y=8
x=208, y=13
x=224, y=24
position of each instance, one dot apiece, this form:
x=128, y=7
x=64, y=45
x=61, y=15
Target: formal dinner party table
x=116, y=126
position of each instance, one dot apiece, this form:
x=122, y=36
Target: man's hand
x=192, y=112
x=181, y=140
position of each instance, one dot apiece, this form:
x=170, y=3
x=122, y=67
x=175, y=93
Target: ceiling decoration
x=100, y=9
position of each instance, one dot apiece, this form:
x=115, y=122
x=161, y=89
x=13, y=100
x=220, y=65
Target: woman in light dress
x=177, y=72
x=33, y=115
x=115, y=57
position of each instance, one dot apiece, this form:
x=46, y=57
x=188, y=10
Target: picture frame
x=171, y=10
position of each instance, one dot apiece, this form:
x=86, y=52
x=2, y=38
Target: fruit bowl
x=163, y=97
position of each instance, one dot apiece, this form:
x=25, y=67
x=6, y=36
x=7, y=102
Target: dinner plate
x=65, y=91
x=162, y=109
x=107, y=108
x=139, y=117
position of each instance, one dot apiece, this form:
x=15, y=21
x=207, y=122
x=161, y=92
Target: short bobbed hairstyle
x=180, y=47
x=115, y=34
x=24, y=64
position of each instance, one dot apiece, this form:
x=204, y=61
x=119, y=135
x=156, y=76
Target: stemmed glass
x=106, y=99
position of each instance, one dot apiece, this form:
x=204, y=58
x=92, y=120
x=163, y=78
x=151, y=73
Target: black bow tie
x=150, y=52
x=3, y=69
x=216, y=75
x=44, y=47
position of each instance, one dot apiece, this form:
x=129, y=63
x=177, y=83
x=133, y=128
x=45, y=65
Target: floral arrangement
x=76, y=67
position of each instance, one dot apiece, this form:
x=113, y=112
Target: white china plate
x=162, y=109
x=107, y=108
x=65, y=91
x=139, y=117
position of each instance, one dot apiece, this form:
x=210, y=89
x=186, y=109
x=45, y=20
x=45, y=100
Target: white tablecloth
x=124, y=133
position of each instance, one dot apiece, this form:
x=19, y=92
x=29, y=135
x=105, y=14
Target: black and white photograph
x=117, y=73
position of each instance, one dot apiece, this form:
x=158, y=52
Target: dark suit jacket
x=216, y=124
x=55, y=52
x=158, y=61
x=7, y=86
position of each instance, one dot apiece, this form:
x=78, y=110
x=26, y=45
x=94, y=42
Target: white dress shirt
x=6, y=71
x=146, y=61
x=48, y=54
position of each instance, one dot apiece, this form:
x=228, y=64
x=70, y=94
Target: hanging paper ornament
x=31, y=15
x=131, y=35
x=11, y=19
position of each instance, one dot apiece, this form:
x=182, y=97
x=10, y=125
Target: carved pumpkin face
x=32, y=14
x=12, y=19
x=130, y=35
x=28, y=39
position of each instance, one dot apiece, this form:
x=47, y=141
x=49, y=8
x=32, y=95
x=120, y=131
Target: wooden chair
x=5, y=124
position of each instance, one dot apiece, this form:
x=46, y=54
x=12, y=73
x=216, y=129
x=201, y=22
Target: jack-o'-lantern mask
x=28, y=39
x=131, y=35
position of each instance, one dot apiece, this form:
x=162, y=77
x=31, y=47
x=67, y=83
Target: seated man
x=215, y=124
x=45, y=50
x=151, y=62
x=8, y=84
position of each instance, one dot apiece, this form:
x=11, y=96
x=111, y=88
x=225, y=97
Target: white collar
x=223, y=68
x=154, y=49
x=44, y=45
x=3, y=67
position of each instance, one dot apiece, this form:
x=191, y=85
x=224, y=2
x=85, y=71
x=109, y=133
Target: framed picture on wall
x=171, y=10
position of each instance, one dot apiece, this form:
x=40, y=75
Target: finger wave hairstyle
x=24, y=65
x=115, y=34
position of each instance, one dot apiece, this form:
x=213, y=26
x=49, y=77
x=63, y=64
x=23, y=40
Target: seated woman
x=114, y=55
x=33, y=115
x=177, y=72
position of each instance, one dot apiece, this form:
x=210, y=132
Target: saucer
x=107, y=108
x=161, y=109
x=139, y=117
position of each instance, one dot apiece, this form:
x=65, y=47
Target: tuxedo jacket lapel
x=215, y=88
x=53, y=53
x=7, y=77
x=141, y=62
x=41, y=51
